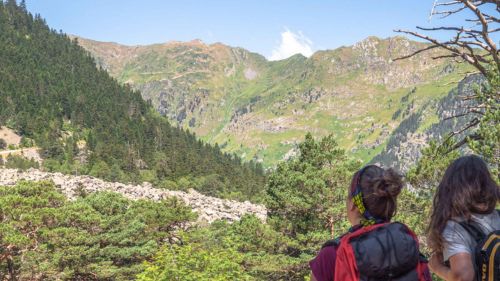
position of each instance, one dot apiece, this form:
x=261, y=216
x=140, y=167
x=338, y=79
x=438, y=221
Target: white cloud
x=291, y=44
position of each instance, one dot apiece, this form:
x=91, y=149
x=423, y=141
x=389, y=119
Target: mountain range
x=261, y=109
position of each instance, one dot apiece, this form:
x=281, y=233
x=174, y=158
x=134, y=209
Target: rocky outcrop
x=208, y=208
x=406, y=142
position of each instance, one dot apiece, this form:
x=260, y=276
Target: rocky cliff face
x=208, y=208
x=406, y=142
x=260, y=109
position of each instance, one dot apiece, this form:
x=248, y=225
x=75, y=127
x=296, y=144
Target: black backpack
x=487, y=252
x=380, y=252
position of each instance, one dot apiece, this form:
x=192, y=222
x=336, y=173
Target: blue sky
x=273, y=28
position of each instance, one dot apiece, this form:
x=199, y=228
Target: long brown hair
x=467, y=187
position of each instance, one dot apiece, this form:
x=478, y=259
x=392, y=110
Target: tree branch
x=484, y=32
x=463, y=141
x=472, y=45
x=469, y=57
x=471, y=124
x=447, y=3
x=447, y=13
x=415, y=53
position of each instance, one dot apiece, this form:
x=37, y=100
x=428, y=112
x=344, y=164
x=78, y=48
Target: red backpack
x=387, y=251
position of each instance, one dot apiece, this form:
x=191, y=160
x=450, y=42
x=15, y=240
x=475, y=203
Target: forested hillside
x=52, y=93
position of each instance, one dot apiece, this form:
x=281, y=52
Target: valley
x=261, y=109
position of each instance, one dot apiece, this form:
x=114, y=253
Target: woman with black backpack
x=464, y=232
x=374, y=248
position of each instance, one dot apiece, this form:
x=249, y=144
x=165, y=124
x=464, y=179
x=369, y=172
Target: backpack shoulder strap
x=474, y=231
x=345, y=263
x=365, y=229
x=348, y=235
x=330, y=243
x=334, y=242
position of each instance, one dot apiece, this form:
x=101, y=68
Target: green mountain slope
x=430, y=123
x=260, y=109
x=86, y=122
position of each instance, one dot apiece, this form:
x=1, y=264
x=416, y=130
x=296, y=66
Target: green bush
x=192, y=262
x=19, y=162
x=103, y=236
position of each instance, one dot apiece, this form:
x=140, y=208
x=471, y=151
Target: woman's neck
x=356, y=221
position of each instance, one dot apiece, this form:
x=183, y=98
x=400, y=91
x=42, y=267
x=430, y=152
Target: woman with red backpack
x=374, y=248
x=464, y=232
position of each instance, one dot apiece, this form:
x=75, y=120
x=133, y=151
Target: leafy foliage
x=308, y=193
x=306, y=200
x=245, y=250
x=99, y=237
x=194, y=261
x=306, y=207
x=430, y=168
x=487, y=141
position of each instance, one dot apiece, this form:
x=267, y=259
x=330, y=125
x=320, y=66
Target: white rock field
x=208, y=208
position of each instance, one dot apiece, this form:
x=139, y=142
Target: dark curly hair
x=380, y=188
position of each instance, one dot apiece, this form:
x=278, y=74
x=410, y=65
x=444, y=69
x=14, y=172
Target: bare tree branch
x=471, y=124
x=463, y=114
x=463, y=141
x=484, y=33
x=469, y=97
x=448, y=28
x=445, y=56
x=469, y=57
x=447, y=13
x=472, y=45
x=448, y=3
x=415, y=53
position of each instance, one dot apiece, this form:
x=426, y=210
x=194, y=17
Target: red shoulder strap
x=345, y=264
